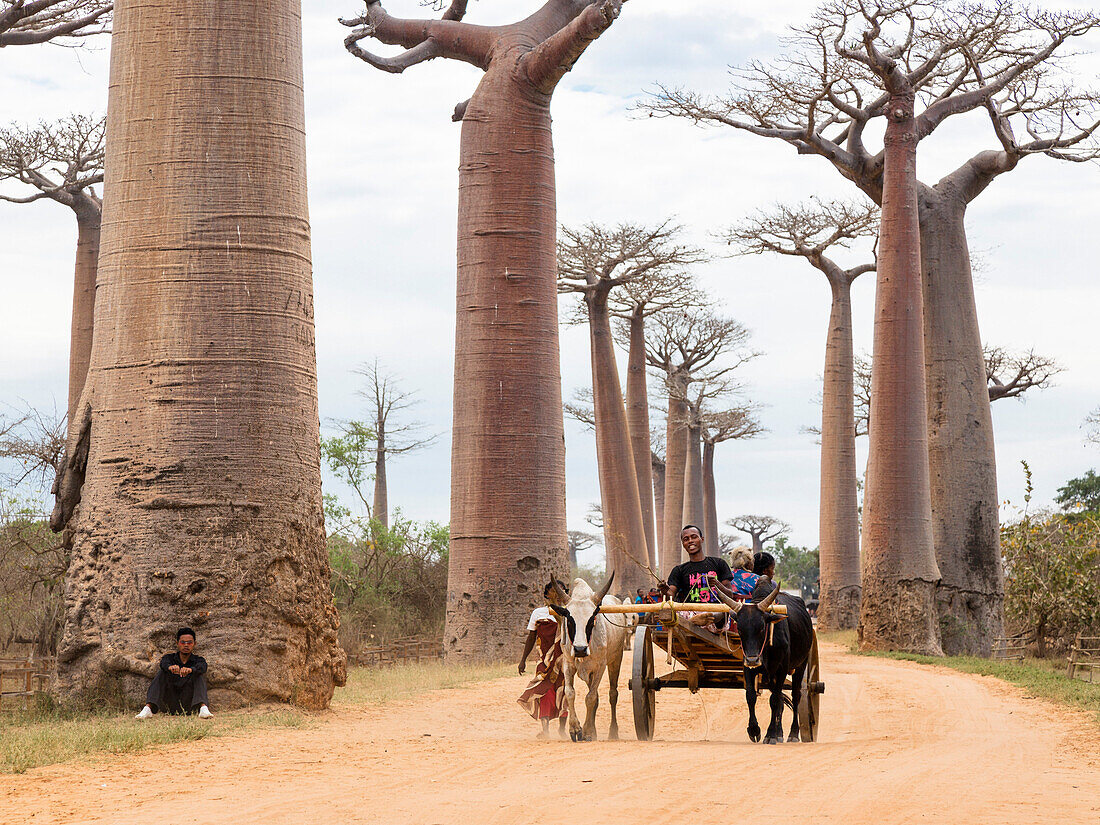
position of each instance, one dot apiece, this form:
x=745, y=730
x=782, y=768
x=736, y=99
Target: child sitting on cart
x=744, y=579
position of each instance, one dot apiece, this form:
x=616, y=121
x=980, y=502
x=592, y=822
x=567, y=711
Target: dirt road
x=899, y=743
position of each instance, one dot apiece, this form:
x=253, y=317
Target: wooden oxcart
x=705, y=659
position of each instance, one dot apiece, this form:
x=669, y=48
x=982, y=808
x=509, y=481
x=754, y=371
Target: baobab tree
x=595, y=262
x=1004, y=60
x=191, y=487
x=63, y=162
x=657, y=467
x=759, y=528
x=718, y=427
x=810, y=231
x=704, y=394
x=580, y=541
x=686, y=347
x=385, y=399
x=668, y=288
x=508, y=446
x=27, y=22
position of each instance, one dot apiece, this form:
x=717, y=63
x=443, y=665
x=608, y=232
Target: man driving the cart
x=692, y=581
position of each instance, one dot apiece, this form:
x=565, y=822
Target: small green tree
x=1080, y=495
x=1052, y=572
x=797, y=566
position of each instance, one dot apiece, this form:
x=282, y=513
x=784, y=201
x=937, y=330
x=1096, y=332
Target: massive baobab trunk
x=624, y=533
x=637, y=417
x=507, y=460
x=508, y=446
x=839, y=517
x=88, y=214
x=197, y=435
x=962, y=458
x=899, y=565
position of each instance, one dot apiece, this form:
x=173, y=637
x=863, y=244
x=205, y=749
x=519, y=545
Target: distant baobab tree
x=191, y=486
x=26, y=22
x=671, y=288
x=386, y=399
x=1003, y=59
x=63, y=162
x=811, y=231
x=759, y=528
x=687, y=346
x=718, y=427
x=597, y=263
x=508, y=531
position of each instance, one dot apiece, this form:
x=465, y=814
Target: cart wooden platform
x=705, y=660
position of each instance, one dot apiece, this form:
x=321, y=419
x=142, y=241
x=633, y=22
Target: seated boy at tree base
x=180, y=683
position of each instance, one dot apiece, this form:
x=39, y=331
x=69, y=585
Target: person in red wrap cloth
x=544, y=697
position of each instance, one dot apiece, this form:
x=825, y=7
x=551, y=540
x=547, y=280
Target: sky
x=382, y=169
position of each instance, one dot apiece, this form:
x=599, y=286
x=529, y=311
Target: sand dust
x=899, y=743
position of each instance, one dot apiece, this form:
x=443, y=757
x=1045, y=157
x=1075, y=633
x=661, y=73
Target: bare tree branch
x=386, y=398
x=422, y=39
x=32, y=441
x=1011, y=374
x=696, y=346
x=581, y=408
x=27, y=22
x=1092, y=427
x=808, y=230
x=630, y=265
x=62, y=160
x=956, y=57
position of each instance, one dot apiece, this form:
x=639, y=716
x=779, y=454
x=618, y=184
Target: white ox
x=591, y=643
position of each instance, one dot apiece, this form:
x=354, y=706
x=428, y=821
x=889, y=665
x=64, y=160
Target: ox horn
x=770, y=598
x=598, y=598
x=733, y=603
x=558, y=595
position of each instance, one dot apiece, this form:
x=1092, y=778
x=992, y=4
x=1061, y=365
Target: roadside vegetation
x=1042, y=678
x=45, y=734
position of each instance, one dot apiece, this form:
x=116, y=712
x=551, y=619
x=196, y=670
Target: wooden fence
x=1011, y=647
x=403, y=650
x=1084, y=658
x=21, y=679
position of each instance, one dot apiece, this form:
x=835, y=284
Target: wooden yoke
x=777, y=609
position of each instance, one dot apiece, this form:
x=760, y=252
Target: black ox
x=774, y=646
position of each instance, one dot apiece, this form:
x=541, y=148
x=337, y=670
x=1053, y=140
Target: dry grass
x=45, y=735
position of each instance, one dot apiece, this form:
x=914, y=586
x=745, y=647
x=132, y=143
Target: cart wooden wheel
x=641, y=684
x=809, y=706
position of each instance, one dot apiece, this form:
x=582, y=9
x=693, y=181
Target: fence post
x=1072, y=667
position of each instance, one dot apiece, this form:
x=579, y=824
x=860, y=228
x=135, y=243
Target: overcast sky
x=383, y=182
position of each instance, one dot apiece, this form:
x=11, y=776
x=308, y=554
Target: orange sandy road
x=899, y=743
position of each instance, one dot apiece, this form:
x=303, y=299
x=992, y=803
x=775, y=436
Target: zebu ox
x=591, y=643
x=775, y=646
